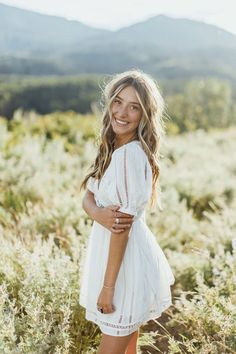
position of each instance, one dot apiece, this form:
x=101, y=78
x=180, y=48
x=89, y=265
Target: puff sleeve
x=132, y=179
x=91, y=184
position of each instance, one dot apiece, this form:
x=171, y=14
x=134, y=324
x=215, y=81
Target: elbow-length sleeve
x=132, y=179
x=91, y=184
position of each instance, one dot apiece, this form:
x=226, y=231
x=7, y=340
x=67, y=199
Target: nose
x=122, y=112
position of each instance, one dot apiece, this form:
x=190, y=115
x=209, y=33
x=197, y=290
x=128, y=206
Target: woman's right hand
x=106, y=217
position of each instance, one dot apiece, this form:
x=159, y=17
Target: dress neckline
x=130, y=142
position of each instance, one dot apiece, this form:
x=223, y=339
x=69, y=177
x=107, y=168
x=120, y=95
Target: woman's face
x=126, y=114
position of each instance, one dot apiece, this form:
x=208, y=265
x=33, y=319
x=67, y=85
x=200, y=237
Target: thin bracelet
x=108, y=287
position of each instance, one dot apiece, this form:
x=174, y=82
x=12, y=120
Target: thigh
x=114, y=345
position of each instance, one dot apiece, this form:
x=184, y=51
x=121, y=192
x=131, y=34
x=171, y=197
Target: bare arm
x=106, y=216
x=116, y=253
x=89, y=205
x=117, y=249
x=118, y=243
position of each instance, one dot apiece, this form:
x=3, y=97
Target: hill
x=37, y=44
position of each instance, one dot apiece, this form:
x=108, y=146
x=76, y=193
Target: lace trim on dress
x=119, y=197
x=125, y=177
x=118, y=326
x=126, y=183
x=164, y=304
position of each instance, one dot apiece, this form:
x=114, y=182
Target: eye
x=116, y=100
x=135, y=107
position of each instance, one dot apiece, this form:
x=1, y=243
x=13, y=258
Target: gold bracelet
x=108, y=287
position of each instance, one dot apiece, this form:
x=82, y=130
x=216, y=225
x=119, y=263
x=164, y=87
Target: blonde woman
x=126, y=277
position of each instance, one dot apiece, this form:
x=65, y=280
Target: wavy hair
x=150, y=131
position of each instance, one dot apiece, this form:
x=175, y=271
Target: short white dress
x=142, y=288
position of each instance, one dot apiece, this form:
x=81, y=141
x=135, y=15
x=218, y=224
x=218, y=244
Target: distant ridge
x=32, y=43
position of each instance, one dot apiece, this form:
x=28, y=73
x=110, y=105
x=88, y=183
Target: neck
x=120, y=142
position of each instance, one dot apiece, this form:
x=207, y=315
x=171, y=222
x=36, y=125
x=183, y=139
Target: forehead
x=128, y=93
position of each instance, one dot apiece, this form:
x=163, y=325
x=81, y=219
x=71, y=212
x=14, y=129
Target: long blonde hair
x=150, y=131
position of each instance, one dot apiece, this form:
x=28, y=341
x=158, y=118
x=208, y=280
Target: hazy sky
x=112, y=15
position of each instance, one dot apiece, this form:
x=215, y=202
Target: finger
x=109, y=309
x=123, y=216
x=116, y=230
x=113, y=207
x=122, y=221
x=120, y=226
x=105, y=309
x=124, y=225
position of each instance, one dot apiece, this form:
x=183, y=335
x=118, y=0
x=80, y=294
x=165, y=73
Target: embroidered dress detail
x=126, y=184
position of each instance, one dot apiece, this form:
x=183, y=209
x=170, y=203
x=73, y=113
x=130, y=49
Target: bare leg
x=114, y=345
x=132, y=346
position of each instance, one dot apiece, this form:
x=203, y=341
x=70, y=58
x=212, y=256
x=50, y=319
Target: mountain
x=32, y=43
x=23, y=31
x=177, y=34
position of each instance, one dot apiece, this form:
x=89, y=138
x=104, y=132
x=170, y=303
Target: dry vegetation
x=44, y=230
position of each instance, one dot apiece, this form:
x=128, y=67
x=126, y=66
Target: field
x=44, y=231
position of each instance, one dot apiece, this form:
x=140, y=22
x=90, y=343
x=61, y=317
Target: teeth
x=124, y=123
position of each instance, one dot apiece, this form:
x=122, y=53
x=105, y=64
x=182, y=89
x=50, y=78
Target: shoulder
x=133, y=150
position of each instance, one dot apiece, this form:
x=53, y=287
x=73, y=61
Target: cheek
x=114, y=108
x=136, y=117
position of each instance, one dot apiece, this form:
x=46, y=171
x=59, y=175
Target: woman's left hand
x=105, y=300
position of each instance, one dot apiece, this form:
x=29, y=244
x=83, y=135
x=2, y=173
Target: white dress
x=142, y=288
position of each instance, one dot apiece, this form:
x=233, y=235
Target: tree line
x=196, y=103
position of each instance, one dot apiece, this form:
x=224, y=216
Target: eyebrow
x=129, y=102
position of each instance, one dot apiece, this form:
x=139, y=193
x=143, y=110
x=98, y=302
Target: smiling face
x=126, y=115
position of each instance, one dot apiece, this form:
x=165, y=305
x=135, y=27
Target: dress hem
x=113, y=329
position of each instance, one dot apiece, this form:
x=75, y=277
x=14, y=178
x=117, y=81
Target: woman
x=126, y=277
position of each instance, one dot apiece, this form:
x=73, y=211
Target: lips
x=121, y=123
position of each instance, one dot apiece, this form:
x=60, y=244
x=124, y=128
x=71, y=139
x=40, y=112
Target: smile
x=120, y=123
